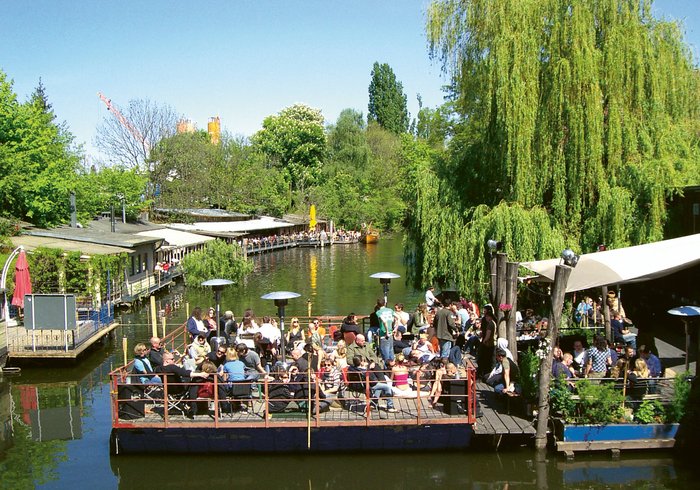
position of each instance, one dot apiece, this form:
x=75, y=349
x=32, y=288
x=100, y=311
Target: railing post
x=419, y=403
x=368, y=403
x=318, y=408
x=165, y=400
x=216, y=401
x=267, y=403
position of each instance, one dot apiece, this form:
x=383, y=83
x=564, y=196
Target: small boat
x=370, y=237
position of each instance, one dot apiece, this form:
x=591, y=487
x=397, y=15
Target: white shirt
x=270, y=332
x=430, y=298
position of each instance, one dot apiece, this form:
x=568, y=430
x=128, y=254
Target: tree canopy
x=37, y=159
x=387, y=102
x=294, y=140
x=579, y=117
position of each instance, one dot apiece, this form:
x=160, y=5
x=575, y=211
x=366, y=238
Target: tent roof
x=625, y=265
x=262, y=223
x=176, y=238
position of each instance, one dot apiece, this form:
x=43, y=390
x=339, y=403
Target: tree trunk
x=512, y=299
x=501, y=261
x=561, y=278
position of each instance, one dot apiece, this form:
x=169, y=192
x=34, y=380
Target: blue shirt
x=235, y=370
x=654, y=365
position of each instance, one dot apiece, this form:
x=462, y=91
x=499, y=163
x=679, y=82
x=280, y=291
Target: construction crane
x=124, y=121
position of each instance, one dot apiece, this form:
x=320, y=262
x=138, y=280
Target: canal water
x=55, y=421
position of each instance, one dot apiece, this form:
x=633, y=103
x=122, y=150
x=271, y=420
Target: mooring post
x=561, y=278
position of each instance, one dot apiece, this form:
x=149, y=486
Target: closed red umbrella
x=23, y=283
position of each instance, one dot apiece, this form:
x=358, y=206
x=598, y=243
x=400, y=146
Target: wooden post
x=154, y=317
x=187, y=310
x=164, y=320
x=561, y=278
x=494, y=281
x=606, y=314
x=308, y=308
x=501, y=261
x=512, y=299
x=124, y=342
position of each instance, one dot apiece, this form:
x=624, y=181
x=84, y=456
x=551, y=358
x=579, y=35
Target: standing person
x=445, y=327
x=386, y=331
x=488, y=332
x=598, y=359
x=430, y=300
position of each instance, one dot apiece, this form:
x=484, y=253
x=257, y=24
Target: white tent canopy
x=176, y=238
x=625, y=265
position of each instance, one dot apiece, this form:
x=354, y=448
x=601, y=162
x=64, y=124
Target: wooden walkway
x=494, y=416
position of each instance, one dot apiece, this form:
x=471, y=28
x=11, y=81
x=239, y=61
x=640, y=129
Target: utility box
x=50, y=312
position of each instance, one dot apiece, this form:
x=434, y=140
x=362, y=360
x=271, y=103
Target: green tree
x=37, y=160
x=217, y=259
x=98, y=189
x=578, y=117
x=387, y=102
x=182, y=166
x=294, y=140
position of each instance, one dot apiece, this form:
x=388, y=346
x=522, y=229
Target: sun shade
x=625, y=265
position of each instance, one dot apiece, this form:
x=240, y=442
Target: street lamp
x=281, y=298
x=385, y=278
x=570, y=258
x=217, y=285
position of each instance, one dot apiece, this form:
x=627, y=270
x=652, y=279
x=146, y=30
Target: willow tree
x=586, y=110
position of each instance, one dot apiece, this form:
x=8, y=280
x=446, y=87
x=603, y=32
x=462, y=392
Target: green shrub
x=681, y=393
x=560, y=399
x=650, y=411
x=529, y=365
x=599, y=403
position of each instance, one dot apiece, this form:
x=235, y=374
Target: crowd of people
x=399, y=354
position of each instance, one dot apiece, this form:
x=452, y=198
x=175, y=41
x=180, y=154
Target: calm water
x=55, y=422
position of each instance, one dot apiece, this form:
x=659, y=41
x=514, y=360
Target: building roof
x=238, y=227
x=176, y=238
x=220, y=214
x=33, y=242
x=97, y=237
x=625, y=265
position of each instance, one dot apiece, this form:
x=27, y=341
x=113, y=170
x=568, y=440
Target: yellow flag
x=312, y=217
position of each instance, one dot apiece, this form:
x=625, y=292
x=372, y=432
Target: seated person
x=359, y=373
x=330, y=377
x=251, y=360
x=653, y=363
x=199, y=349
x=400, y=380
x=218, y=357
x=155, y=353
x=620, y=332
x=510, y=381
x=233, y=369
x=278, y=392
x=177, y=377
x=142, y=366
x=637, y=383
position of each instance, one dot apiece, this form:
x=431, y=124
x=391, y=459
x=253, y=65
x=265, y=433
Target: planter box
x=615, y=437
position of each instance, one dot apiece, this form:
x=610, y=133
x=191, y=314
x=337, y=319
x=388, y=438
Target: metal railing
x=306, y=406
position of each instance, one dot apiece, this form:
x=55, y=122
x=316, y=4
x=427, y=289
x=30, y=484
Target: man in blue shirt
x=653, y=362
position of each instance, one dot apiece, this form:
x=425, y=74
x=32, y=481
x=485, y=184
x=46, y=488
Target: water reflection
x=471, y=470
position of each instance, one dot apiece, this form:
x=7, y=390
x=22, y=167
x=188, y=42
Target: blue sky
x=241, y=60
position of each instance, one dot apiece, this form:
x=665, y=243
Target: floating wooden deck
x=499, y=416
x=53, y=344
